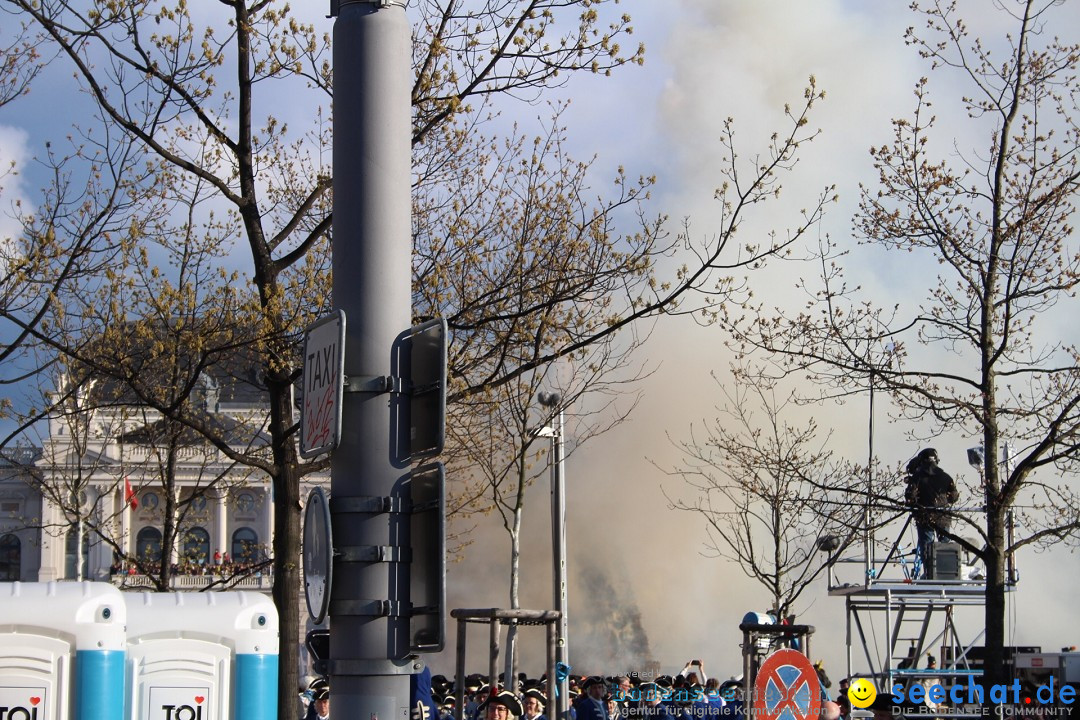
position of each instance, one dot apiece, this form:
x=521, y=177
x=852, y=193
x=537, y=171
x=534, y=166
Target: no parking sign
x=787, y=688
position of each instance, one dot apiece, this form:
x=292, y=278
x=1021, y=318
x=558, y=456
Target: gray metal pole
x=494, y=630
x=459, y=675
x=551, y=635
x=369, y=646
x=749, y=650
x=558, y=519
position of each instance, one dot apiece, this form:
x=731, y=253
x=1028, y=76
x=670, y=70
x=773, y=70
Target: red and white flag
x=129, y=495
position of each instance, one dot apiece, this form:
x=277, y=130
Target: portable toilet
x=202, y=656
x=61, y=651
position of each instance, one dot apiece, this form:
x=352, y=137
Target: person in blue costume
x=501, y=705
x=592, y=705
x=653, y=702
x=713, y=697
x=321, y=702
x=315, y=688
x=421, y=703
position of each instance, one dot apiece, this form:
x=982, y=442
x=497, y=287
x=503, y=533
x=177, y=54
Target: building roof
x=213, y=364
x=223, y=426
x=19, y=456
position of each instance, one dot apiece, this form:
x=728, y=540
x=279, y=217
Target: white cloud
x=14, y=155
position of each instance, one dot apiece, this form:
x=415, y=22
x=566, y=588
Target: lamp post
x=370, y=654
x=976, y=459
x=558, y=545
x=868, y=534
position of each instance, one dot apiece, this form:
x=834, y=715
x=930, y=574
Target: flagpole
x=125, y=520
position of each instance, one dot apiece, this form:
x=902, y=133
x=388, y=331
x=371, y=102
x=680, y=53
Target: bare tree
x=479, y=238
x=98, y=442
x=514, y=454
x=224, y=171
x=981, y=354
x=20, y=63
x=766, y=490
x=220, y=173
x=47, y=272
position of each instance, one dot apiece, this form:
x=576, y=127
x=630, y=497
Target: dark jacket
x=931, y=487
x=586, y=709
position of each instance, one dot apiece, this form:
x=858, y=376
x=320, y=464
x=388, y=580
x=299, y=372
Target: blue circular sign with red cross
x=787, y=688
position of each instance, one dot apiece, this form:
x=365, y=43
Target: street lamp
x=558, y=545
x=975, y=458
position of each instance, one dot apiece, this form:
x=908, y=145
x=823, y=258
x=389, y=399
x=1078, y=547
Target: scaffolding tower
x=897, y=618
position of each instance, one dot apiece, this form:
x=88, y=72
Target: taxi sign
x=787, y=688
x=324, y=384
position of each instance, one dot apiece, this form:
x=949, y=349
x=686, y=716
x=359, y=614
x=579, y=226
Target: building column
x=100, y=551
x=52, y=548
x=266, y=533
x=222, y=530
x=125, y=525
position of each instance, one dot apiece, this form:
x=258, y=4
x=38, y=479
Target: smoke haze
x=640, y=585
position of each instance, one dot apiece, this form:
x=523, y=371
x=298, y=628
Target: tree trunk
x=286, y=544
x=994, y=659
x=170, y=533
x=510, y=672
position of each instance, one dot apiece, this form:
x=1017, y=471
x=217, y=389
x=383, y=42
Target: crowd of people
x=688, y=695
x=224, y=567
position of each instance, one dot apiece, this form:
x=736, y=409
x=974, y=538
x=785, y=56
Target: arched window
x=197, y=545
x=148, y=545
x=245, y=545
x=71, y=557
x=10, y=557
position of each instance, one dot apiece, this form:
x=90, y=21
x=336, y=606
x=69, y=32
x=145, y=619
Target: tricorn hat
x=536, y=693
x=505, y=698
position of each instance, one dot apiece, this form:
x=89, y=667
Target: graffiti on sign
x=321, y=411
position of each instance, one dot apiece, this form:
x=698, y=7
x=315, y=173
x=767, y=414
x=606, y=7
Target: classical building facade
x=92, y=501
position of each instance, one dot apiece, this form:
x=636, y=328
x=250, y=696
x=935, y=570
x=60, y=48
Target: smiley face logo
x=862, y=693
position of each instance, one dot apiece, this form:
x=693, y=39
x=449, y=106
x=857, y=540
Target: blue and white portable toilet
x=202, y=656
x=61, y=651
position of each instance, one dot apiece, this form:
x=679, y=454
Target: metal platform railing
x=896, y=562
